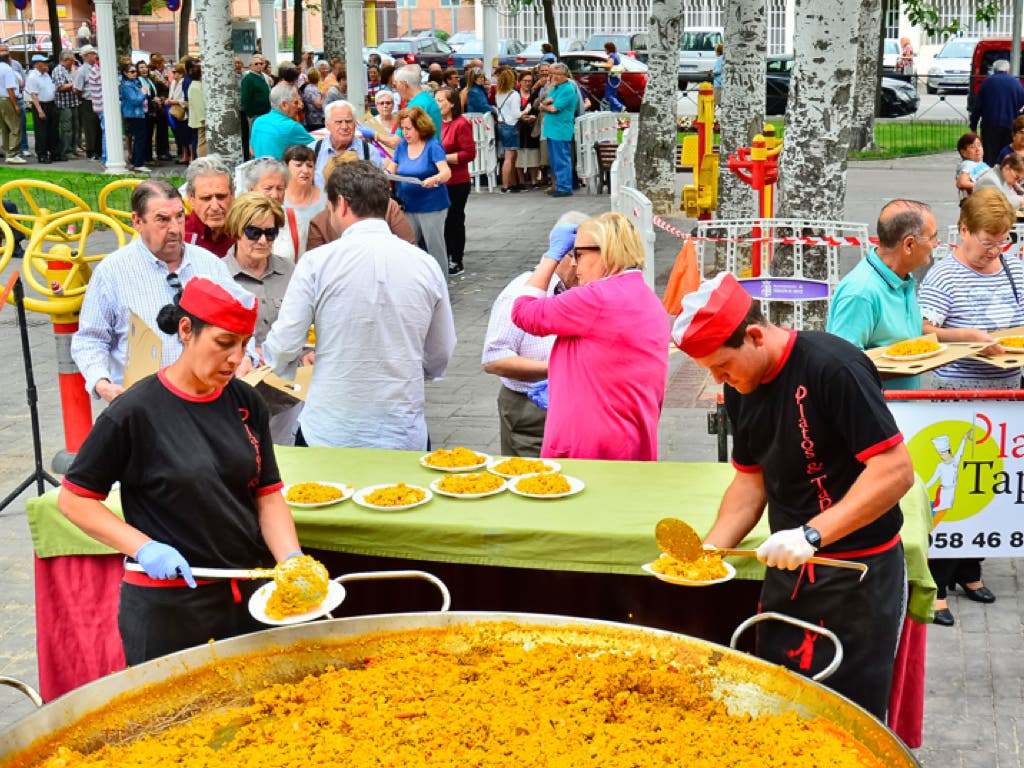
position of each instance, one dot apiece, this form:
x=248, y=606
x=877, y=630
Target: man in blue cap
x=39, y=87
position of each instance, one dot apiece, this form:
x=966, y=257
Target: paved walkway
x=975, y=698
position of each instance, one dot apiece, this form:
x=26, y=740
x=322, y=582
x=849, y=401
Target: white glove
x=787, y=549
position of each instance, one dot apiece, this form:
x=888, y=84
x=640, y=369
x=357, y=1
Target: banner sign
x=970, y=455
x=785, y=288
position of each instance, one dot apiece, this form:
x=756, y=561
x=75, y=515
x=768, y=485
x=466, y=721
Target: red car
x=587, y=69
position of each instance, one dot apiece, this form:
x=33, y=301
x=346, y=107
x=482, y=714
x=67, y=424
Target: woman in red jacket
x=457, y=140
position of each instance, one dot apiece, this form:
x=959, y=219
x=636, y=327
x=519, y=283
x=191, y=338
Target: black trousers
x=867, y=616
x=47, y=131
x=993, y=139
x=246, y=155
x=156, y=621
x=163, y=138
x=91, y=128
x=455, y=222
x=948, y=571
x=136, y=128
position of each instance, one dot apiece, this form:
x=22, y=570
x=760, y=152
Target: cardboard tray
x=1009, y=360
x=953, y=351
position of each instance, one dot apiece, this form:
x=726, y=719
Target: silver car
x=951, y=70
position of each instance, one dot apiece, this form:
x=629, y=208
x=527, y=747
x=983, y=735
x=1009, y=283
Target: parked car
x=986, y=53
x=438, y=34
x=384, y=57
x=951, y=69
x=474, y=49
x=587, y=69
x=891, y=57
x=529, y=57
x=898, y=98
x=697, y=54
x=417, y=50
x=459, y=39
x=633, y=44
x=24, y=45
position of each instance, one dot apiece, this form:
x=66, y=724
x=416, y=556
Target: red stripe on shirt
x=781, y=362
x=83, y=492
x=877, y=448
x=266, y=491
x=187, y=395
x=750, y=469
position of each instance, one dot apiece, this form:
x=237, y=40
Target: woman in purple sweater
x=608, y=367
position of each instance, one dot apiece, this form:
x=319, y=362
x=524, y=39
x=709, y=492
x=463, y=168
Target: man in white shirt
x=10, y=107
x=88, y=117
x=144, y=276
x=40, y=89
x=383, y=324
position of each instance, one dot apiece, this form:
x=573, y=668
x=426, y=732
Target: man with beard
x=142, y=277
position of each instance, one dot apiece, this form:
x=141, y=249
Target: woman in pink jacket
x=608, y=368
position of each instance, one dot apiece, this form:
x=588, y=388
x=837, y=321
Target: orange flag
x=685, y=278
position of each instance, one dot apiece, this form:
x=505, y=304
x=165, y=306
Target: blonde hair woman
x=509, y=108
x=609, y=363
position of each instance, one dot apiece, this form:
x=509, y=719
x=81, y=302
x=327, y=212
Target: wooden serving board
x=953, y=351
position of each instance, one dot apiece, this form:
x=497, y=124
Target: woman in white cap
x=609, y=363
x=200, y=486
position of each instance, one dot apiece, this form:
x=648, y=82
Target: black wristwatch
x=812, y=536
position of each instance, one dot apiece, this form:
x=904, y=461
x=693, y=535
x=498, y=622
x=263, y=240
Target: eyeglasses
x=933, y=240
x=987, y=246
x=255, y=233
x=130, y=72
x=574, y=254
x=175, y=282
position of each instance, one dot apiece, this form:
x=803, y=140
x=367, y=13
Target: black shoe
x=980, y=595
x=456, y=268
x=557, y=193
x=944, y=618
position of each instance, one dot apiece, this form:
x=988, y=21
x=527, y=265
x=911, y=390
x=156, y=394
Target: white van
x=697, y=54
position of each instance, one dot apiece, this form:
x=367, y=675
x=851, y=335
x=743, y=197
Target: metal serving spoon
x=678, y=539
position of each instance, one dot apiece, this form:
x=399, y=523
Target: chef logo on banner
x=970, y=455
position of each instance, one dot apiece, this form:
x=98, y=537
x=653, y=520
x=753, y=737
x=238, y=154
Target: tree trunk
x=220, y=86
x=122, y=30
x=184, y=18
x=865, y=91
x=334, y=30
x=812, y=180
x=55, y=31
x=740, y=111
x=656, y=143
x=297, y=35
x=548, y=7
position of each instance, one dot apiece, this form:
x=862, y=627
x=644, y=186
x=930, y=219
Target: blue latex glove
x=367, y=133
x=290, y=555
x=560, y=241
x=538, y=393
x=162, y=561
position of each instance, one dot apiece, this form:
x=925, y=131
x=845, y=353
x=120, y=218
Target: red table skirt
x=77, y=640
x=906, y=703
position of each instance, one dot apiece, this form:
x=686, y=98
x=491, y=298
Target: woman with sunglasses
x=133, y=110
x=609, y=363
x=254, y=221
x=970, y=296
x=200, y=486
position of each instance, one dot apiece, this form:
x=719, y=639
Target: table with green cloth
x=578, y=555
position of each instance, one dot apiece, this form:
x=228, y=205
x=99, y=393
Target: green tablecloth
x=608, y=528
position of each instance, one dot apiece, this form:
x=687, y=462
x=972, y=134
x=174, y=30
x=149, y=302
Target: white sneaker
x=26, y=153
x=16, y=159
x=142, y=169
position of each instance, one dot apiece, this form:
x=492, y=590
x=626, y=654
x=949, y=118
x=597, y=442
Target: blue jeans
x=560, y=159
x=24, y=127
x=611, y=95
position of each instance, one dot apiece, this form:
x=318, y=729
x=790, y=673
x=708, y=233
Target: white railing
x=486, y=161
x=623, y=172
x=590, y=128
x=638, y=209
x=824, y=242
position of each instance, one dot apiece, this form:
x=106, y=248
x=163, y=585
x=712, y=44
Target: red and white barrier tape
x=831, y=241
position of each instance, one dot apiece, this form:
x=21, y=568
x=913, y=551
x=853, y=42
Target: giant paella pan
x=459, y=688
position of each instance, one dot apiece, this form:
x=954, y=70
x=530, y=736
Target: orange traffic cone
x=685, y=278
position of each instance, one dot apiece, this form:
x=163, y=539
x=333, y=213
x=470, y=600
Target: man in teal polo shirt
x=408, y=82
x=875, y=305
x=279, y=129
x=558, y=127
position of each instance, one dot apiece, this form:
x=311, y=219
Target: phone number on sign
x=991, y=540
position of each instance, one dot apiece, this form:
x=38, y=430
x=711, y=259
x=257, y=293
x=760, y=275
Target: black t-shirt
x=809, y=430
x=191, y=469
